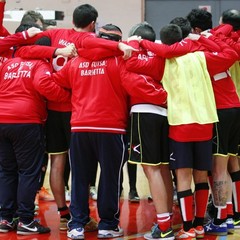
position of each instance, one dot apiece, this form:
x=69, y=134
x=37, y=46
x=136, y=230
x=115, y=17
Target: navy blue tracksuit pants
x=110, y=151
x=21, y=157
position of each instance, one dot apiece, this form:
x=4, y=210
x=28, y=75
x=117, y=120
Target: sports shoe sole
x=134, y=200
x=217, y=233
x=75, y=237
x=109, y=236
x=5, y=230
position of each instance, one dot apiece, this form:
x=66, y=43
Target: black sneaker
x=236, y=223
x=156, y=233
x=133, y=196
x=6, y=226
x=32, y=228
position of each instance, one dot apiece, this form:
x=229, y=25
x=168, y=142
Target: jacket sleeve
x=44, y=84
x=225, y=29
x=144, y=63
x=35, y=52
x=3, y=31
x=180, y=48
x=143, y=87
x=13, y=40
x=206, y=44
x=231, y=42
x=63, y=77
x=91, y=41
x=221, y=61
x=167, y=51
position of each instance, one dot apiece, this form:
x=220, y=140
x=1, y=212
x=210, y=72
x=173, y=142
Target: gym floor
x=136, y=218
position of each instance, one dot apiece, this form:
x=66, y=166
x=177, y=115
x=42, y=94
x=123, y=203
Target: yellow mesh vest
x=235, y=74
x=190, y=94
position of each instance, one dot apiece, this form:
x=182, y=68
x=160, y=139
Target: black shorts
x=58, y=132
x=227, y=132
x=149, y=142
x=195, y=155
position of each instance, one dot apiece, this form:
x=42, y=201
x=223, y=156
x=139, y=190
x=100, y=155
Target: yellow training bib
x=190, y=94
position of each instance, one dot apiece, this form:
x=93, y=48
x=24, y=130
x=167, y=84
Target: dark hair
x=184, y=24
x=32, y=16
x=111, y=32
x=44, y=41
x=232, y=17
x=170, y=34
x=83, y=15
x=26, y=26
x=200, y=18
x=50, y=22
x=144, y=30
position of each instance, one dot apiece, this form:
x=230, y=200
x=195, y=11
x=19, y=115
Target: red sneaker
x=199, y=230
x=187, y=235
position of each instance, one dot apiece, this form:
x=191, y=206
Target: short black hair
x=200, y=18
x=44, y=41
x=184, y=24
x=110, y=32
x=144, y=30
x=170, y=34
x=83, y=15
x=232, y=17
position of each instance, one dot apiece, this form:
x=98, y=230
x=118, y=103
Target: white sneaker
x=93, y=193
x=110, y=233
x=76, y=233
x=67, y=195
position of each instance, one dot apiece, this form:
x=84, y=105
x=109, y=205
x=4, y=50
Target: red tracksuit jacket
x=100, y=91
x=24, y=90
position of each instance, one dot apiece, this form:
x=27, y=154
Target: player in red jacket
x=226, y=135
x=149, y=142
x=232, y=17
x=23, y=94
